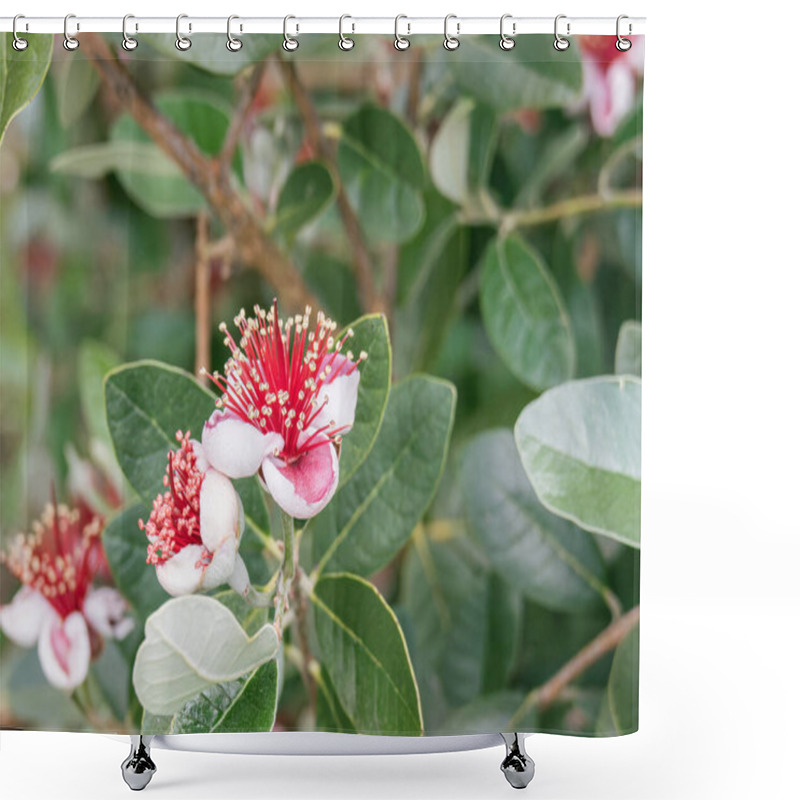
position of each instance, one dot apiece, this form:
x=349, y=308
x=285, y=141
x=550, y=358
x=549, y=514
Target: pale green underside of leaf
x=621, y=713
x=580, y=445
x=628, y=354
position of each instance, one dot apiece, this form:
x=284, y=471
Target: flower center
x=276, y=371
x=59, y=559
x=174, y=521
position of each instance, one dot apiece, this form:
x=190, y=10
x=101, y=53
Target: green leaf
x=545, y=557
x=95, y=361
x=525, y=316
x=76, y=83
x=93, y=161
x=580, y=445
x=125, y=545
x=628, y=355
x=21, y=74
x=371, y=518
x=146, y=403
x=306, y=194
x=202, y=119
x=382, y=173
x=330, y=714
x=192, y=643
x=364, y=651
x=532, y=75
x=465, y=620
x=492, y=712
x=623, y=688
x=370, y=335
x=462, y=151
x=331, y=279
x=112, y=673
x=210, y=53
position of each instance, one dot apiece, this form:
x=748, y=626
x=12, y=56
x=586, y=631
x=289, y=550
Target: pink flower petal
x=234, y=447
x=23, y=618
x=219, y=510
x=65, y=651
x=222, y=565
x=611, y=92
x=302, y=489
x=342, y=396
x=105, y=610
x=183, y=573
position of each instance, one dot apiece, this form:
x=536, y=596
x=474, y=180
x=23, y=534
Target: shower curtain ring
x=451, y=42
x=128, y=42
x=18, y=44
x=623, y=45
x=400, y=42
x=289, y=44
x=507, y=42
x=70, y=42
x=560, y=42
x=183, y=43
x=345, y=42
x=233, y=44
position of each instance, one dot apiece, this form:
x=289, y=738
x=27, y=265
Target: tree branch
x=209, y=175
x=370, y=300
x=573, y=206
x=202, y=300
x=239, y=119
x=606, y=641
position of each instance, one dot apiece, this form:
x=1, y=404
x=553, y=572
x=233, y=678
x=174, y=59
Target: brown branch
x=606, y=641
x=202, y=300
x=370, y=300
x=240, y=115
x=210, y=176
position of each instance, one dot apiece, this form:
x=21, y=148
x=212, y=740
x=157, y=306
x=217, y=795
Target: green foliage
x=371, y=517
x=580, y=445
x=95, y=360
x=305, y=195
x=628, y=355
x=382, y=173
x=621, y=707
x=364, y=651
x=76, y=84
x=21, y=74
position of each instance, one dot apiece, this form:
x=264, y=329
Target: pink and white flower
x=288, y=395
x=195, y=526
x=57, y=608
x=609, y=80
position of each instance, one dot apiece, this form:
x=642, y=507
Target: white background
x=721, y=546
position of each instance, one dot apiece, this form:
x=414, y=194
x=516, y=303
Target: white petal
x=239, y=580
x=222, y=565
x=105, y=610
x=340, y=408
x=219, y=510
x=200, y=455
x=181, y=573
x=65, y=651
x=23, y=618
x=304, y=488
x=234, y=447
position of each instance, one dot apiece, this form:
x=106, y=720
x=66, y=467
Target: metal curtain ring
x=560, y=42
x=70, y=42
x=18, y=44
x=623, y=45
x=451, y=42
x=506, y=41
x=345, y=42
x=233, y=44
x=128, y=42
x=400, y=42
x=289, y=44
x=182, y=42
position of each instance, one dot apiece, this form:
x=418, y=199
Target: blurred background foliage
x=436, y=154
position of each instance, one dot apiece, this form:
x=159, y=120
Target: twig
x=211, y=177
x=202, y=300
x=242, y=112
x=572, y=207
x=606, y=641
x=370, y=300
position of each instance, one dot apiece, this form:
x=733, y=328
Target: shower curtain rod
x=406, y=26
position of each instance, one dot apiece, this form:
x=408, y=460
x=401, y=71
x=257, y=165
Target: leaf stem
x=286, y=574
x=573, y=206
x=606, y=641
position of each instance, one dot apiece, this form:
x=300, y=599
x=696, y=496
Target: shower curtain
x=321, y=385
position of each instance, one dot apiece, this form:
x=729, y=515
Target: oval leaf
x=365, y=654
x=628, y=355
x=21, y=74
x=192, y=643
x=525, y=315
x=382, y=173
x=96, y=160
x=371, y=518
x=621, y=712
x=305, y=195
x=580, y=445
x=545, y=557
